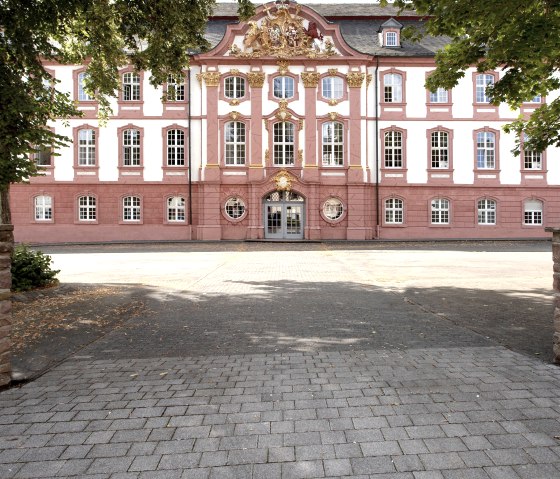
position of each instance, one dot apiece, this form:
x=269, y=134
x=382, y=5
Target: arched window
x=439, y=149
x=486, y=212
x=532, y=159
x=131, y=208
x=332, y=87
x=284, y=143
x=175, y=148
x=131, y=147
x=333, y=143
x=43, y=208
x=393, y=149
x=176, y=209
x=485, y=150
x=283, y=87
x=440, y=211
x=394, y=209
x=86, y=147
x=234, y=134
x=234, y=87
x=87, y=208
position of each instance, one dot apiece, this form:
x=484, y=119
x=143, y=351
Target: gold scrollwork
x=369, y=77
x=333, y=102
x=234, y=115
x=310, y=79
x=266, y=156
x=283, y=67
x=355, y=79
x=265, y=124
x=234, y=102
x=333, y=115
x=300, y=156
x=283, y=114
x=283, y=181
x=234, y=71
x=300, y=124
x=210, y=78
x=256, y=79
x=332, y=72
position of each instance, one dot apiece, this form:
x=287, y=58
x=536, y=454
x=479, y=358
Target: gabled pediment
x=391, y=23
x=283, y=30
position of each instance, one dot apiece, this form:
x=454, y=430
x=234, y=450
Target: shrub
x=31, y=269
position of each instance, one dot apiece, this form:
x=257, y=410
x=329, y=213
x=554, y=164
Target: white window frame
x=131, y=147
x=87, y=208
x=332, y=87
x=394, y=211
x=43, y=208
x=486, y=209
x=82, y=94
x=392, y=88
x=441, y=95
x=283, y=147
x=285, y=83
x=532, y=159
x=482, y=82
x=234, y=87
x=235, y=137
x=533, y=212
x=175, y=147
x=440, y=211
x=439, y=150
x=234, y=208
x=485, y=150
x=131, y=86
x=177, y=88
x=175, y=206
x=132, y=209
x=333, y=143
x=393, y=149
x=86, y=147
x=391, y=39
x=333, y=209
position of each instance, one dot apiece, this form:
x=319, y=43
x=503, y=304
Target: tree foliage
x=519, y=37
x=153, y=35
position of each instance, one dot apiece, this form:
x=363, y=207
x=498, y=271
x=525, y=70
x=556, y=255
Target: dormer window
x=390, y=33
x=391, y=39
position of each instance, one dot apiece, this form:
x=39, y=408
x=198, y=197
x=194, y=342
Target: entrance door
x=283, y=215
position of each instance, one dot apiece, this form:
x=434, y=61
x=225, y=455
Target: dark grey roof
x=391, y=23
x=360, y=33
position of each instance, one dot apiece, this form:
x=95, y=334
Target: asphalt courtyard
x=250, y=360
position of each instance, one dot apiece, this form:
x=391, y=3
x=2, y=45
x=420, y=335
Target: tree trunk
x=5, y=214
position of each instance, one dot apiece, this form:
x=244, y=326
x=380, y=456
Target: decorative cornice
x=256, y=79
x=310, y=79
x=355, y=79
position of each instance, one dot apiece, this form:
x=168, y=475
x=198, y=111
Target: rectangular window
x=393, y=211
x=533, y=212
x=82, y=94
x=482, y=83
x=43, y=208
x=486, y=212
x=441, y=95
x=175, y=89
x=332, y=87
x=131, y=86
x=333, y=144
x=391, y=39
x=392, y=83
x=131, y=148
x=176, y=209
x=43, y=156
x=283, y=143
x=235, y=143
x=234, y=87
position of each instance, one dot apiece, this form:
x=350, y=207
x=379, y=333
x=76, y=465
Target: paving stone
x=366, y=465
x=302, y=469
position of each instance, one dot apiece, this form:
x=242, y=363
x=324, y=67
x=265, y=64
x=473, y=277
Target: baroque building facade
x=305, y=122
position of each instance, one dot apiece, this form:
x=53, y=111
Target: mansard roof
x=359, y=25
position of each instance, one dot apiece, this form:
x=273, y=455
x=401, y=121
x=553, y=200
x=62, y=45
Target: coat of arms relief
x=284, y=34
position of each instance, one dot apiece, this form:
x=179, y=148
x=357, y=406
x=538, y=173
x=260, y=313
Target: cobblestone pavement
x=304, y=362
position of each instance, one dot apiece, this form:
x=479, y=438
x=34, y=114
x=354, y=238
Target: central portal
x=283, y=215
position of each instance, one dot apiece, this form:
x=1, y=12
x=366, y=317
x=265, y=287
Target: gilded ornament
x=310, y=79
x=333, y=115
x=332, y=72
x=333, y=102
x=234, y=102
x=355, y=79
x=210, y=78
x=300, y=156
x=283, y=67
x=234, y=71
x=282, y=34
x=283, y=181
x=266, y=156
x=265, y=124
x=300, y=124
x=283, y=113
x=256, y=79
x=234, y=115
x=369, y=77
